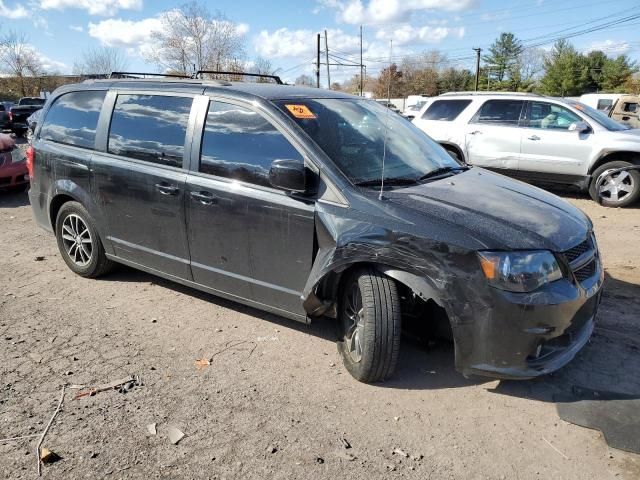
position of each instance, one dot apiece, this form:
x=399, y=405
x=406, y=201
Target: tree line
x=507, y=66
x=190, y=38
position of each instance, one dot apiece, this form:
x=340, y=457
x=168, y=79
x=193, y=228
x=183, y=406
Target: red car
x=13, y=170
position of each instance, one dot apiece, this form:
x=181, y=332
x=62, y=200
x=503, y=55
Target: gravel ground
x=279, y=405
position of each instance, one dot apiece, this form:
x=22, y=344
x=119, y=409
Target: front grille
x=575, y=252
x=586, y=272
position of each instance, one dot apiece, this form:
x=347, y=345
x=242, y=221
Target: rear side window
x=240, y=144
x=73, y=119
x=500, y=112
x=150, y=128
x=445, y=110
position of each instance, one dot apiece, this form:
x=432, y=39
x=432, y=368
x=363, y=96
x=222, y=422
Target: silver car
x=542, y=140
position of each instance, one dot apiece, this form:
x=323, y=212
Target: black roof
x=267, y=91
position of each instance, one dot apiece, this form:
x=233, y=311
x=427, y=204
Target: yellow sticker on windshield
x=301, y=111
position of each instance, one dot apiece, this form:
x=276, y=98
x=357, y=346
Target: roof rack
x=452, y=94
x=276, y=78
x=144, y=74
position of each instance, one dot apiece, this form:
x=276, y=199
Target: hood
x=632, y=135
x=495, y=212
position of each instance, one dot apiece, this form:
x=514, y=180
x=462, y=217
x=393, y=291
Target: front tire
x=79, y=242
x=370, y=325
x=618, y=190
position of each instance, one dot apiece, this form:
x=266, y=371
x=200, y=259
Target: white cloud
x=384, y=11
x=124, y=33
x=610, y=47
x=14, y=12
x=407, y=34
x=93, y=7
x=76, y=28
x=300, y=43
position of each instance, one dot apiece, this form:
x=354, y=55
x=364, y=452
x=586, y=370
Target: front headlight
x=522, y=271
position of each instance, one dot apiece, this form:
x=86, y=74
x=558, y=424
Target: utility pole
x=318, y=63
x=326, y=53
x=478, y=50
x=361, y=66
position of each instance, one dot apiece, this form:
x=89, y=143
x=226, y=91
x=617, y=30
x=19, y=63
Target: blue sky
x=284, y=31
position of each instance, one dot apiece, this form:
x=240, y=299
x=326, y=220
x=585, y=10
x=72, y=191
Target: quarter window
x=500, y=112
x=150, y=128
x=445, y=110
x=240, y=144
x=551, y=117
x=73, y=119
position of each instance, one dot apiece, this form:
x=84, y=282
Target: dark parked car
x=311, y=203
x=22, y=111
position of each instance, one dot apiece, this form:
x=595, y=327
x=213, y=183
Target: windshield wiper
x=391, y=181
x=440, y=171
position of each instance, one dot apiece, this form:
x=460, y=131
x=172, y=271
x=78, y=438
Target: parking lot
x=275, y=401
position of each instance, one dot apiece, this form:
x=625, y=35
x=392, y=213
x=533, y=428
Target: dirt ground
x=279, y=405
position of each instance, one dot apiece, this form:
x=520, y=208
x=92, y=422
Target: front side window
x=445, y=110
x=600, y=117
x=630, y=107
x=366, y=141
x=240, y=144
x=150, y=128
x=551, y=117
x=73, y=119
x=500, y=112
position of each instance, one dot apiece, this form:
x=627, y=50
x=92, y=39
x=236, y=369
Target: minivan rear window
x=150, y=128
x=445, y=110
x=73, y=119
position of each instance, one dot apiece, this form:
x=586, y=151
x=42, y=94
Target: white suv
x=537, y=139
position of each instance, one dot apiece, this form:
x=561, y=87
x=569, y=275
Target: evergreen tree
x=503, y=55
x=566, y=71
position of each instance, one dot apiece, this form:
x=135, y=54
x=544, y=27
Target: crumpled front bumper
x=526, y=335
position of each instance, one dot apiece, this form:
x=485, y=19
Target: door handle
x=625, y=118
x=166, y=189
x=475, y=132
x=534, y=137
x=204, y=198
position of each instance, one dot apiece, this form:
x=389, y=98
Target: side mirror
x=290, y=175
x=580, y=127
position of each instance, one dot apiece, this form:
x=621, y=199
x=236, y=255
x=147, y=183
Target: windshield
x=352, y=134
x=32, y=101
x=599, y=117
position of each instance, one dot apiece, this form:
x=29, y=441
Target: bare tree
x=262, y=66
x=19, y=59
x=191, y=37
x=100, y=61
x=305, y=81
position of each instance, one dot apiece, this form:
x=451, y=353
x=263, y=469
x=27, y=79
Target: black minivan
x=310, y=203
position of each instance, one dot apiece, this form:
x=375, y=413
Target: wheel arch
x=449, y=146
x=323, y=300
x=623, y=155
x=66, y=191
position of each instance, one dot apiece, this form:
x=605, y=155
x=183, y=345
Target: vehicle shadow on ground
x=13, y=199
x=601, y=365
x=324, y=328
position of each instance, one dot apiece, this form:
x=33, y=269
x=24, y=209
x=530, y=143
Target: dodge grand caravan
x=310, y=203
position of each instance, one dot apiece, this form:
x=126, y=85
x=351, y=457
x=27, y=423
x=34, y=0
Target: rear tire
x=628, y=181
x=79, y=242
x=370, y=325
